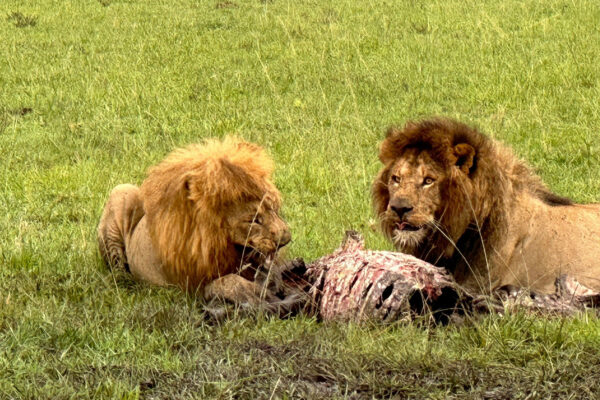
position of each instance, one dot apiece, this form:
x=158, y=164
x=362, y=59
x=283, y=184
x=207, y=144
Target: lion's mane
x=185, y=200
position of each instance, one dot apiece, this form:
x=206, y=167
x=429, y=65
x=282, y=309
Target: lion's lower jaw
x=257, y=258
x=407, y=241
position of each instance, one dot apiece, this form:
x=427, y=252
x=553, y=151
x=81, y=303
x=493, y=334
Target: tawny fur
x=184, y=199
x=487, y=217
x=186, y=224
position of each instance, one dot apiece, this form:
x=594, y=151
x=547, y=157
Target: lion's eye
x=258, y=220
x=396, y=179
x=428, y=181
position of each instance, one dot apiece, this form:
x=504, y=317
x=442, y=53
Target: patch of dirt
x=21, y=20
x=226, y=4
x=21, y=111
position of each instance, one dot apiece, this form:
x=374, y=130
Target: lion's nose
x=402, y=210
x=401, y=207
x=285, y=239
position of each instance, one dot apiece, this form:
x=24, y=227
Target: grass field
x=94, y=92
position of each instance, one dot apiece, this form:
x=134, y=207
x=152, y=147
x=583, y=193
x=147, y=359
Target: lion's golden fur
x=186, y=198
x=493, y=222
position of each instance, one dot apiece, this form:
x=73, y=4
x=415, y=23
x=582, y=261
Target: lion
x=453, y=197
x=203, y=214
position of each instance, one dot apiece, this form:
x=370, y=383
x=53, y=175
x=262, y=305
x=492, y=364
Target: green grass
x=94, y=92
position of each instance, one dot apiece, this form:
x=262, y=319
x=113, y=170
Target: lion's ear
x=389, y=148
x=463, y=156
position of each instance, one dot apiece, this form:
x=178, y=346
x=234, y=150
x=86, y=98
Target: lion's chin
x=408, y=237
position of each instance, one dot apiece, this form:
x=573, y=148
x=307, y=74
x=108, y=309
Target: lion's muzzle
x=400, y=206
x=286, y=237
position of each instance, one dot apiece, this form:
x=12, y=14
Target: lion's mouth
x=406, y=235
x=253, y=255
x=406, y=227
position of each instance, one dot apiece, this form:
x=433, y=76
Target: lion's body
x=544, y=242
x=200, y=215
x=124, y=238
x=485, y=216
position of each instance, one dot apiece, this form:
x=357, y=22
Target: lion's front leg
x=239, y=290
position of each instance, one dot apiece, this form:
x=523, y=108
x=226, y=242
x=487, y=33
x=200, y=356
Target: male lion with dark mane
x=201, y=215
x=456, y=198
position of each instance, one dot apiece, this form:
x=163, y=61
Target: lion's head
x=456, y=198
x=429, y=189
x=212, y=208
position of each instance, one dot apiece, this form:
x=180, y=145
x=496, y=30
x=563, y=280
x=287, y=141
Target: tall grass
x=92, y=93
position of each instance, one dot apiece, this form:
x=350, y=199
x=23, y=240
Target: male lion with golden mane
x=201, y=214
x=456, y=198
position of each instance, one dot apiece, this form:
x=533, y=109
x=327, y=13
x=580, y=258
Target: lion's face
x=424, y=195
x=414, y=183
x=257, y=229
